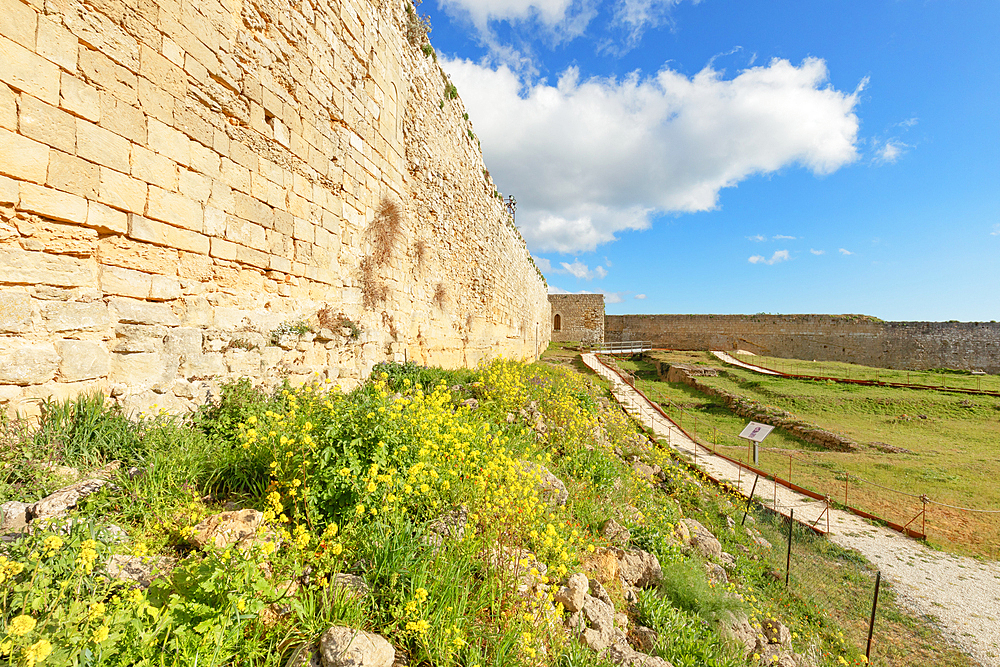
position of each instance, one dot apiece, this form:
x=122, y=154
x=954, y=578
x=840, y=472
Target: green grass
x=950, y=440
x=339, y=479
x=943, y=378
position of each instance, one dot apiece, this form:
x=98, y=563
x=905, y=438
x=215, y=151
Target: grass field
x=943, y=378
x=950, y=442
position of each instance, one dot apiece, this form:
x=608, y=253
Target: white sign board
x=756, y=432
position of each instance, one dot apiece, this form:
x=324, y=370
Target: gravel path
x=736, y=362
x=962, y=595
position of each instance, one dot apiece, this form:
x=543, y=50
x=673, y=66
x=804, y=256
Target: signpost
x=755, y=433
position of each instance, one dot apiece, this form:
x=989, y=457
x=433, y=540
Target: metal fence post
x=871, y=623
x=749, y=500
x=788, y=558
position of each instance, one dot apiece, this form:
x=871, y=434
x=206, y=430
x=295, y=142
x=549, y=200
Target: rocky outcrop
x=241, y=529
x=347, y=647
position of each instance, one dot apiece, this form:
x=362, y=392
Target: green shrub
x=685, y=638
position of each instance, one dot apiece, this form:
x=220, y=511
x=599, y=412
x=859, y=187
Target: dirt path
x=736, y=362
x=962, y=595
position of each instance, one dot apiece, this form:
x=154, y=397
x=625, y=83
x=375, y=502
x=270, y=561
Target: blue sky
x=744, y=156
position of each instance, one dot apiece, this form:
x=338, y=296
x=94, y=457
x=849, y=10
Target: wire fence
x=911, y=512
x=972, y=382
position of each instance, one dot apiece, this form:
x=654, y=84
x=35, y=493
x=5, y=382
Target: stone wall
x=848, y=338
x=198, y=190
x=580, y=318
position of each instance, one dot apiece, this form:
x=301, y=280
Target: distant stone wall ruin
x=847, y=338
x=578, y=318
x=195, y=191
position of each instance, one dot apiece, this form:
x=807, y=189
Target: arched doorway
x=557, y=323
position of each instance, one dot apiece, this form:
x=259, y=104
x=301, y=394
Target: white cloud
x=778, y=256
x=543, y=264
x=782, y=237
x=890, y=151
x=757, y=238
x=817, y=252
x=580, y=270
x=587, y=159
x=640, y=296
x=996, y=230
x=844, y=251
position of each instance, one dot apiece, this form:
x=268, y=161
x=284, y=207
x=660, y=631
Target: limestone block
x=17, y=22
x=203, y=366
x=131, y=311
x=197, y=312
x=106, y=219
x=22, y=267
x=73, y=316
x=81, y=360
x=22, y=158
x=8, y=109
x=123, y=119
x=195, y=186
x=57, y=43
x=155, y=102
x=124, y=252
x=168, y=142
x=138, y=338
x=125, y=282
x=139, y=371
x=160, y=233
x=71, y=174
x=243, y=362
x=194, y=270
x=52, y=203
x=47, y=124
x=26, y=71
x=102, y=146
x=215, y=221
x=176, y=209
x=121, y=191
x=28, y=364
x=184, y=342
x=15, y=311
x=79, y=98
x=164, y=288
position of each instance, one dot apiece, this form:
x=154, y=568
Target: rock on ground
x=341, y=646
x=549, y=486
x=703, y=539
x=227, y=529
x=625, y=655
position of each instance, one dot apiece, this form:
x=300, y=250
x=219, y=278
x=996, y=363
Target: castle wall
x=194, y=190
x=581, y=318
x=846, y=338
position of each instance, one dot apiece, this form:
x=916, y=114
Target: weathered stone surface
x=600, y=619
x=716, y=574
x=776, y=632
x=15, y=311
x=571, y=596
x=615, y=532
x=81, y=360
x=703, y=539
x=132, y=311
x=550, y=487
x=227, y=529
x=353, y=585
x=64, y=499
x=640, y=568
x=139, y=570
x=13, y=516
x=347, y=647
x=625, y=655
x=71, y=316
x=645, y=638
x=29, y=364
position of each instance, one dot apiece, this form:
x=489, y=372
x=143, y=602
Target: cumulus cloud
x=590, y=158
x=817, y=252
x=640, y=296
x=757, y=238
x=844, y=251
x=577, y=269
x=543, y=264
x=778, y=256
x=890, y=151
x=782, y=237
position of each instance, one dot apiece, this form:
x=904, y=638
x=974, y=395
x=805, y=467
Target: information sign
x=756, y=432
